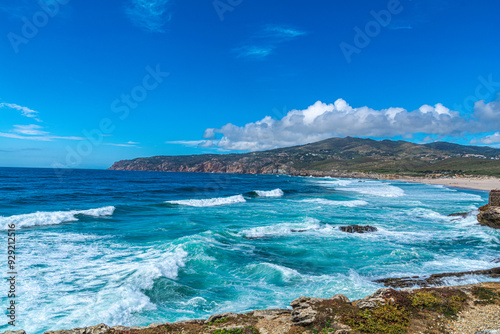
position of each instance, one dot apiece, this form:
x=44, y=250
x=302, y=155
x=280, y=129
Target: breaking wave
x=208, y=202
x=324, y=201
x=52, y=218
x=270, y=193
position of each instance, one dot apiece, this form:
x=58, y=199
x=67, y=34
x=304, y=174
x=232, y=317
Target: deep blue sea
x=133, y=248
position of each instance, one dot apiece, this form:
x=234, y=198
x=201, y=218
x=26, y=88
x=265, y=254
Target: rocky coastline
x=473, y=308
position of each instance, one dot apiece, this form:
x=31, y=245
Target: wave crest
x=52, y=217
x=270, y=193
x=208, y=202
x=325, y=201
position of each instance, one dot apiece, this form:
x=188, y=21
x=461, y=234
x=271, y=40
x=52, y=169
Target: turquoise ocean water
x=133, y=248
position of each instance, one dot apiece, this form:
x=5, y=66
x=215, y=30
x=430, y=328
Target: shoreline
x=483, y=183
x=457, y=309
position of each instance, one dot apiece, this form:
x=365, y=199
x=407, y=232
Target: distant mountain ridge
x=336, y=157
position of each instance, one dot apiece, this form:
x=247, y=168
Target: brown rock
x=374, y=300
x=490, y=217
x=97, y=329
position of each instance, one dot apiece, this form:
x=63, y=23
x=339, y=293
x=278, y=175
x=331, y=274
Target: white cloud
x=38, y=138
x=187, y=142
x=150, y=15
x=16, y=136
x=266, y=40
x=321, y=121
x=25, y=111
x=31, y=130
x=488, y=113
x=128, y=144
x=491, y=139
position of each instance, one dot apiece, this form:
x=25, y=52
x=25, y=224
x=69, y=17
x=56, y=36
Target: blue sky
x=86, y=83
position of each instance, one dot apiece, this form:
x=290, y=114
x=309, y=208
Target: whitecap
x=324, y=201
x=208, y=202
x=52, y=217
x=270, y=193
x=381, y=190
x=284, y=229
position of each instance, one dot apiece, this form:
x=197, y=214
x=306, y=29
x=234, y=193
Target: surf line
x=11, y=274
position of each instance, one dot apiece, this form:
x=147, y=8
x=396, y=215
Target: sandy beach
x=478, y=183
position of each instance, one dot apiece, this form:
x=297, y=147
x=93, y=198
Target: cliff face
x=489, y=216
x=334, y=157
x=210, y=165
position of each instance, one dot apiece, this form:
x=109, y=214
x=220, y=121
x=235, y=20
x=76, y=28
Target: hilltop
x=336, y=157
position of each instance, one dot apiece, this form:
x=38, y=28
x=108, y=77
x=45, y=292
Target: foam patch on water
x=285, y=229
x=273, y=271
x=74, y=280
x=333, y=183
x=365, y=187
x=53, y=218
x=324, y=201
x=209, y=202
x=270, y=193
x=429, y=214
x=381, y=190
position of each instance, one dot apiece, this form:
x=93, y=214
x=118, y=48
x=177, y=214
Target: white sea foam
x=270, y=193
x=208, y=202
x=90, y=282
x=334, y=182
x=324, y=201
x=365, y=187
x=284, y=229
x=381, y=190
x=427, y=214
x=52, y=217
x=270, y=270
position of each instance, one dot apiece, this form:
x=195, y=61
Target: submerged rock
x=459, y=214
x=358, y=229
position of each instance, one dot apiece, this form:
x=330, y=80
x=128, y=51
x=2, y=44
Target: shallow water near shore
x=133, y=248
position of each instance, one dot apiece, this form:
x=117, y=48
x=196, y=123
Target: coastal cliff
x=336, y=157
x=489, y=215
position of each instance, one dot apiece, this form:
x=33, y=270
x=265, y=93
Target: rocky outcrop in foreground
x=489, y=216
x=461, y=309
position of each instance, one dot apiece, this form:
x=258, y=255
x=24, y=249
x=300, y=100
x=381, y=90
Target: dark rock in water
x=299, y=231
x=358, y=229
x=460, y=214
x=436, y=279
x=495, y=260
x=489, y=217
